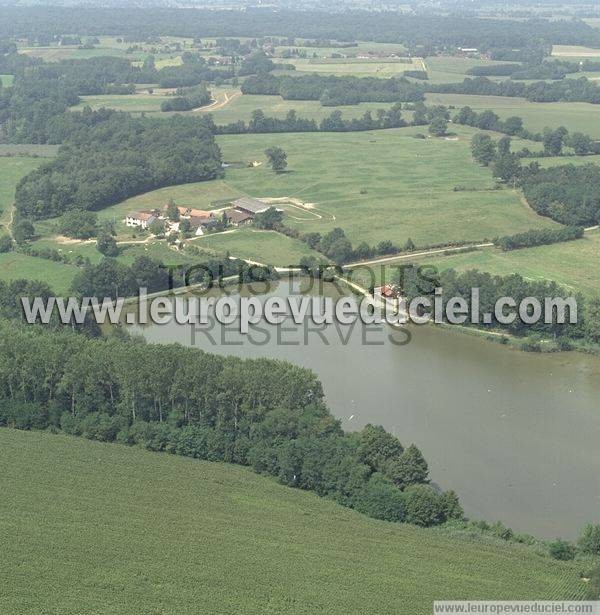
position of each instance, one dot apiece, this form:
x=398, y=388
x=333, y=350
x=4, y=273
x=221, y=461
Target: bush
x=422, y=506
x=6, y=243
x=561, y=550
x=380, y=499
x=589, y=541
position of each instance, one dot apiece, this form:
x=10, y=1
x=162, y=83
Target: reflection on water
x=516, y=435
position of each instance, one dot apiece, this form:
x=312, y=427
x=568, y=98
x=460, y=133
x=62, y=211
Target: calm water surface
x=517, y=435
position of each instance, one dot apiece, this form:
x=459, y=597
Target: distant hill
x=100, y=528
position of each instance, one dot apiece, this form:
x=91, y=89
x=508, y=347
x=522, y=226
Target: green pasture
x=572, y=264
x=266, y=247
x=356, y=67
x=12, y=169
x=576, y=117
x=6, y=80
x=101, y=528
x=14, y=266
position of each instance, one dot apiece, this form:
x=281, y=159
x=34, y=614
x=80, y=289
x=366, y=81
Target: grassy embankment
x=101, y=528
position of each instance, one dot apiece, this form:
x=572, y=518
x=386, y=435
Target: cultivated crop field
x=99, y=528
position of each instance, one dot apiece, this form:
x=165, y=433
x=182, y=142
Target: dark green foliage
x=589, y=540
x=422, y=506
x=568, y=194
x=562, y=550
x=6, y=243
x=269, y=219
x=78, y=224
x=277, y=158
x=116, y=159
x=263, y=413
x=438, y=127
x=483, y=148
x=107, y=245
x=23, y=230
x=410, y=468
x=381, y=500
x=539, y=237
x=593, y=588
x=377, y=447
x=256, y=63
x=334, y=91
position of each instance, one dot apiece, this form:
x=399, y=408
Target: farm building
x=188, y=212
x=198, y=224
x=142, y=219
x=237, y=218
x=251, y=206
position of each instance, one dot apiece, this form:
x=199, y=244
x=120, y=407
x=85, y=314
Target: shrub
x=589, y=541
x=561, y=550
x=381, y=499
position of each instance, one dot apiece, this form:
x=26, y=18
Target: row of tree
x=539, y=237
x=265, y=414
x=334, y=90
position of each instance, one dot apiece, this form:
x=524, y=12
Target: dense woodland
x=118, y=158
x=262, y=413
x=428, y=31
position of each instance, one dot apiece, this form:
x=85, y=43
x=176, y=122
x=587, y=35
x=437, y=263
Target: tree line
x=443, y=31
x=539, y=237
x=334, y=122
x=261, y=413
x=334, y=91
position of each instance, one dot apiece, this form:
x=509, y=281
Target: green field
x=14, y=266
x=555, y=161
x=102, y=528
x=12, y=169
x=381, y=185
x=451, y=69
x=356, y=67
x=571, y=264
x=582, y=117
x=401, y=187
x=266, y=247
x=6, y=80
x=241, y=107
x=133, y=103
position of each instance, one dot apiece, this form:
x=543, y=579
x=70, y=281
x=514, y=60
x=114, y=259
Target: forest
x=114, y=159
x=432, y=31
x=262, y=413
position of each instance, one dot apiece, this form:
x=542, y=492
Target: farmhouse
x=237, y=218
x=142, y=219
x=198, y=224
x=188, y=212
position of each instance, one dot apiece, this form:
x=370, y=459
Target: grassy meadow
x=571, y=264
x=12, y=169
x=6, y=80
x=101, y=528
x=357, y=67
x=582, y=117
x=14, y=266
x=381, y=185
x=267, y=247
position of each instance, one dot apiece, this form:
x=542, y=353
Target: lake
x=516, y=435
